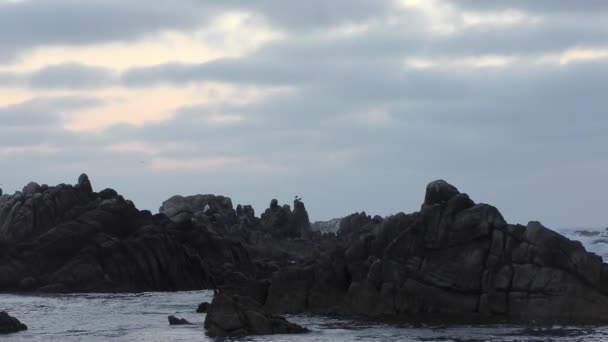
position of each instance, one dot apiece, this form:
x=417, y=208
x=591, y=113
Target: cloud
x=354, y=105
x=61, y=76
x=34, y=23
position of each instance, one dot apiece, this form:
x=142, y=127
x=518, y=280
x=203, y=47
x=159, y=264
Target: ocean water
x=143, y=317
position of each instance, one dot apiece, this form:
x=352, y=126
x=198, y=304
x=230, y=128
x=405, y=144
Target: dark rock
x=438, y=192
x=233, y=315
x=178, y=321
x=64, y=239
x=31, y=188
x=84, y=183
x=108, y=194
x=203, y=307
x=453, y=259
x=10, y=324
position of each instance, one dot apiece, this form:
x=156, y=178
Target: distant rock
x=282, y=222
x=331, y=226
x=84, y=183
x=438, y=192
x=203, y=207
x=233, y=315
x=9, y=324
x=178, y=321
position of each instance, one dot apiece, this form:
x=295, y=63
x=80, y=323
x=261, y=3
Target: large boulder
x=234, y=315
x=9, y=324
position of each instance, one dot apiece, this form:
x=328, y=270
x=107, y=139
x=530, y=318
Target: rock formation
x=178, y=321
x=70, y=239
x=454, y=258
x=233, y=315
x=10, y=324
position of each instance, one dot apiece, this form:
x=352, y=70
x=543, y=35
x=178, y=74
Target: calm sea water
x=143, y=317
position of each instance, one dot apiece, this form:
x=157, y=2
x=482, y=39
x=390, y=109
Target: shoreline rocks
x=9, y=324
x=453, y=258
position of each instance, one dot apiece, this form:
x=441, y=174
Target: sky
x=353, y=105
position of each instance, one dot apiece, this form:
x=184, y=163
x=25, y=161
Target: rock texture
x=71, y=239
x=233, y=315
x=10, y=324
x=454, y=258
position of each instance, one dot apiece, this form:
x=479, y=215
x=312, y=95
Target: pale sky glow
x=351, y=104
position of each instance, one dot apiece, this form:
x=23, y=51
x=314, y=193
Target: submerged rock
x=9, y=324
x=234, y=315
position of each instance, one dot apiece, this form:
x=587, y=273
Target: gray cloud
x=359, y=130
x=71, y=76
x=34, y=23
x=542, y=6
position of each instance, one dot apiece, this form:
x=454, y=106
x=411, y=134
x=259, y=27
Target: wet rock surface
x=9, y=324
x=234, y=315
x=178, y=321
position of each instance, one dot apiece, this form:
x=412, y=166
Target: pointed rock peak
x=439, y=191
x=84, y=183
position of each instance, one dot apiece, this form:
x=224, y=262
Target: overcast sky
x=351, y=104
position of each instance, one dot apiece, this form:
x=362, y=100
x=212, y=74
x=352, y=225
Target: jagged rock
x=84, y=183
x=66, y=239
x=233, y=315
x=178, y=321
x=282, y=222
x=9, y=324
x=455, y=258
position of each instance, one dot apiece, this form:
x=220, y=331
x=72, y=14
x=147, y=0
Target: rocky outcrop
x=454, y=258
x=178, y=321
x=71, y=239
x=282, y=222
x=200, y=207
x=9, y=324
x=233, y=315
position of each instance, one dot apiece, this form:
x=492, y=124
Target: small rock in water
x=234, y=315
x=178, y=321
x=9, y=324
